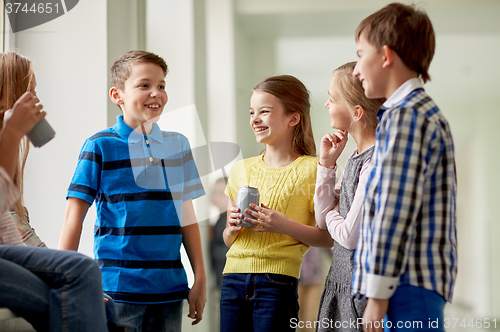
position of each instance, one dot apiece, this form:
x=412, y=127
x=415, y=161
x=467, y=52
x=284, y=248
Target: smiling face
x=268, y=119
x=340, y=116
x=144, y=95
x=369, y=68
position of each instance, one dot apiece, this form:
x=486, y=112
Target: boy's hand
x=375, y=312
x=270, y=220
x=234, y=227
x=197, y=298
x=24, y=115
x=331, y=148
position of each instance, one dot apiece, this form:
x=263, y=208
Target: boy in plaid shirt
x=406, y=260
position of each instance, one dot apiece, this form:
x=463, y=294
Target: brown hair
x=295, y=99
x=16, y=73
x=120, y=71
x=351, y=90
x=407, y=31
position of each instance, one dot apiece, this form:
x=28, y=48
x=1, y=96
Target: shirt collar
x=156, y=133
x=404, y=90
x=122, y=128
x=126, y=132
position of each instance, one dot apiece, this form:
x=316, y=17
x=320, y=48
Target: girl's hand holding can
x=270, y=220
x=233, y=222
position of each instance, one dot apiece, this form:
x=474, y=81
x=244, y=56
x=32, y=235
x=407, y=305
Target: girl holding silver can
x=259, y=287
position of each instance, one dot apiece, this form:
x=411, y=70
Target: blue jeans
x=258, y=302
x=161, y=317
x=111, y=317
x=53, y=290
x=415, y=309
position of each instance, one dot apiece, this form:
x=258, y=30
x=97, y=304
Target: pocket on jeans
x=281, y=279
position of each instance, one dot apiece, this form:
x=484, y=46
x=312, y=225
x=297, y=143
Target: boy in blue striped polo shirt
x=143, y=181
x=406, y=259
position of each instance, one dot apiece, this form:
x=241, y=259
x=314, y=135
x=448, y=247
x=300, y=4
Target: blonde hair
x=16, y=73
x=295, y=99
x=351, y=90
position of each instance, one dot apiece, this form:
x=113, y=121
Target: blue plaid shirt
x=408, y=232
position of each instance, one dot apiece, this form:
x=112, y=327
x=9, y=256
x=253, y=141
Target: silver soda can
x=246, y=196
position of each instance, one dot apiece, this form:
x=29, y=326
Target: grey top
x=350, y=179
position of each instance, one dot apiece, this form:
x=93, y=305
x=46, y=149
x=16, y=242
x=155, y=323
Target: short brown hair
x=120, y=71
x=407, y=31
x=351, y=90
x=294, y=97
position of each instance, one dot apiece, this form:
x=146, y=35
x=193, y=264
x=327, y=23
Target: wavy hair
x=295, y=99
x=16, y=74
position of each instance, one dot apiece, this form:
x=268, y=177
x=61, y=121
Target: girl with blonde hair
x=16, y=78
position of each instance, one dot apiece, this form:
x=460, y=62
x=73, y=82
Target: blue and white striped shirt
x=408, y=232
x=138, y=183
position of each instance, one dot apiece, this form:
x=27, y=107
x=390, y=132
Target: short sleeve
x=311, y=175
x=193, y=188
x=86, y=179
x=232, y=186
x=311, y=198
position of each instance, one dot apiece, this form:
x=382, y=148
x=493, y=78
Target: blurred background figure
x=218, y=248
x=312, y=275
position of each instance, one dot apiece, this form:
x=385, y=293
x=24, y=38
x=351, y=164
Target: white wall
x=125, y=21
x=69, y=55
x=463, y=73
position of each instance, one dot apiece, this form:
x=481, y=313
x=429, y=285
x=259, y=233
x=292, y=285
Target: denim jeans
x=111, y=317
x=413, y=308
x=258, y=302
x=162, y=317
x=53, y=290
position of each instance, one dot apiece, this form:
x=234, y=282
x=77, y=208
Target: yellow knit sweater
x=289, y=190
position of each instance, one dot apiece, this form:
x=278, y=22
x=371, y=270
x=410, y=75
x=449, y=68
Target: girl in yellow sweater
x=259, y=287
